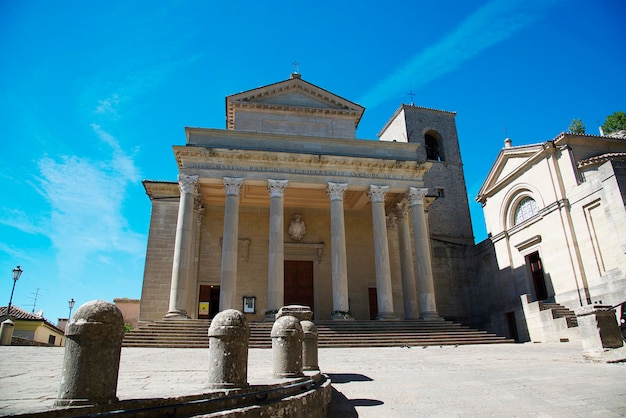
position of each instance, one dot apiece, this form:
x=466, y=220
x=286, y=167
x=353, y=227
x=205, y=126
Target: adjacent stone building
x=286, y=206
x=557, y=232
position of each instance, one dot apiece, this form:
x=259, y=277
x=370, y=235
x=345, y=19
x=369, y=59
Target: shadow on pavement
x=340, y=406
x=348, y=377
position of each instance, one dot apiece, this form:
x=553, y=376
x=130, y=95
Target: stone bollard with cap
x=309, y=346
x=309, y=342
x=287, y=347
x=6, y=332
x=93, y=344
x=228, y=350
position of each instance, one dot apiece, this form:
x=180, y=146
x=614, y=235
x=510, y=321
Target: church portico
x=293, y=218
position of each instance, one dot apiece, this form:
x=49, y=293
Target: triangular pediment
x=297, y=97
x=509, y=163
x=291, y=94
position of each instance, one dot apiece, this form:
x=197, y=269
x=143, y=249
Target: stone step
x=560, y=311
x=194, y=334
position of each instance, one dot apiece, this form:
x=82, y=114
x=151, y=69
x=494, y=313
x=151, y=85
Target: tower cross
x=412, y=94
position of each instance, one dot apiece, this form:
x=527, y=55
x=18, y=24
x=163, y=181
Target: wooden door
x=299, y=283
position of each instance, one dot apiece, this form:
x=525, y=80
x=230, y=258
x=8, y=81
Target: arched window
x=526, y=209
x=432, y=142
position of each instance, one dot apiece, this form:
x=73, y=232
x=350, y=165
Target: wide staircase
x=193, y=333
x=560, y=311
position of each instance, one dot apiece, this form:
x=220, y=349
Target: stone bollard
x=309, y=346
x=287, y=347
x=93, y=344
x=6, y=332
x=228, y=350
x=599, y=330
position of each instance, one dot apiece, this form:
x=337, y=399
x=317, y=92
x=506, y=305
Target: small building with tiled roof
x=33, y=327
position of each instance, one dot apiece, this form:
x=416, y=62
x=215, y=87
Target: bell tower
x=451, y=234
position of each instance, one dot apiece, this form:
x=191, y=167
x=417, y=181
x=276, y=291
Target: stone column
x=228, y=282
x=409, y=292
x=338, y=246
x=423, y=263
x=183, y=244
x=384, y=295
x=276, y=265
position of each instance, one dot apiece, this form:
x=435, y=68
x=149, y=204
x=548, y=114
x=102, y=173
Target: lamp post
x=71, y=302
x=17, y=272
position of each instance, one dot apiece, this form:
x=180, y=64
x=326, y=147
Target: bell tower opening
x=433, y=144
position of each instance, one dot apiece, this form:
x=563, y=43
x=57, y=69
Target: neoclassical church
x=287, y=206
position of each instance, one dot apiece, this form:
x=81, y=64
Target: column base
x=387, y=316
x=430, y=316
x=176, y=315
x=270, y=316
x=341, y=316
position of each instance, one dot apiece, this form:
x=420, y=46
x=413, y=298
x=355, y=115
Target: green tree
x=577, y=126
x=615, y=122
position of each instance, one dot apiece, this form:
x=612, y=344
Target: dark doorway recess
x=536, y=271
x=210, y=295
x=373, y=302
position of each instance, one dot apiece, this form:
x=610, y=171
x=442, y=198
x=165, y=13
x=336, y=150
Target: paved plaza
x=504, y=380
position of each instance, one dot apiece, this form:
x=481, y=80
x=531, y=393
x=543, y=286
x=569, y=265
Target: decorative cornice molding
x=233, y=185
x=241, y=161
x=377, y=193
x=336, y=191
x=276, y=188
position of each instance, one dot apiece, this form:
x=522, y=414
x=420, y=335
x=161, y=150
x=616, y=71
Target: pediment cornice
x=265, y=99
x=497, y=178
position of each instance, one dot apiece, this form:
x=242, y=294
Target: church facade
x=286, y=206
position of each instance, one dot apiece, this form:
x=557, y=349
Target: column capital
x=417, y=194
x=336, y=190
x=276, y=188
x=187, y=184
x=377, y=193
x=392, y=221
x=402, y=210
x=232, y=185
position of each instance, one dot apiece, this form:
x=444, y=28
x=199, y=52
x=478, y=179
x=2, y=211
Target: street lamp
x=17, y=272
x=72, y=302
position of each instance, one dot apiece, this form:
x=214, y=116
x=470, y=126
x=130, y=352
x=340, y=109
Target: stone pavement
x=523, y=380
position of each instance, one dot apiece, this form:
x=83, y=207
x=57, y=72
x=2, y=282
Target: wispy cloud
x=109, y=105
x=17, y=218
x=85, y=198
x=493, y=23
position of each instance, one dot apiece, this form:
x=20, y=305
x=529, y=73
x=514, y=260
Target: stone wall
x=159, y=257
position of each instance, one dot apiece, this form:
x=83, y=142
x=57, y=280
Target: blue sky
x=94, y=94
